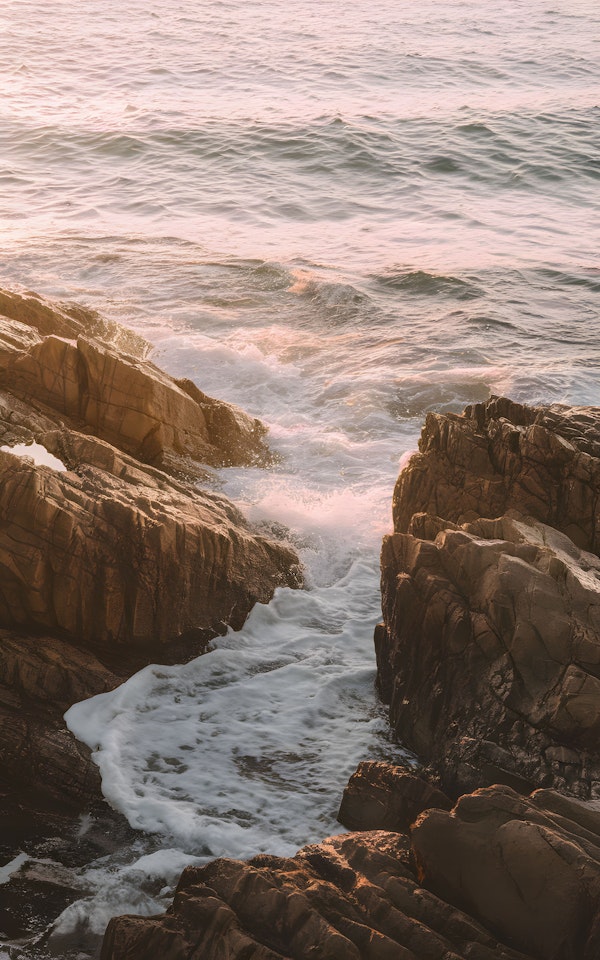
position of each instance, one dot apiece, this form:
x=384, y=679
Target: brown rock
x=382, y=796
x=40, y=678
x=134, y=405
x=348, y=898
x=67, y=320
x=499, y=456
x=112, y=554
x=531, y=877
x=489, y=653
x=128, y=562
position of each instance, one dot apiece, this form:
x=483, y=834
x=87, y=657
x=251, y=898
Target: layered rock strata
x=499, y=877
x=489, y=653
x=112, y=560
x=96, y=377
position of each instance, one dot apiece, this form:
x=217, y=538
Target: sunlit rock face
x=500, y=455
x=499, y=876
x=125, y=560
x=105, y=544
x=489, y=653
x=97, y=375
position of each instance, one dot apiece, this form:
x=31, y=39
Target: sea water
x=339, y=215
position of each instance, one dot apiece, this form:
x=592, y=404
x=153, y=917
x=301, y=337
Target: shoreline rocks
x=489, y=656
x=119, y=559
x=489, y=653
x=498, y=877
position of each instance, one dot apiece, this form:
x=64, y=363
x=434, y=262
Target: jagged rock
x=115, y=554
x=115, y=392
x=528, y=869
x=489, y=654
x=126, y=563
x=40, y=678
x=500, y=456
x=42, y=317
x=382, y=796
x=348, y=898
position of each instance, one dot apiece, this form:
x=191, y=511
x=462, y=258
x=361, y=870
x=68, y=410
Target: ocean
x=338, y=216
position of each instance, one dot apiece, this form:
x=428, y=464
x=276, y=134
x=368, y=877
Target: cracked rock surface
x=119, y=559
x=500, y=877
x=489, y=653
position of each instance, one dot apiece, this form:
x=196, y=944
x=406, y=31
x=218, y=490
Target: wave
x=423, y=284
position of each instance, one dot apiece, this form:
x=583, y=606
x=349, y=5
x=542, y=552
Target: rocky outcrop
x=528, y=869
x=489, y=653
x=119, y=396
x=125, y=560
x=112, y=560
x=40, y=678
x=497, y=878
x=543, y=462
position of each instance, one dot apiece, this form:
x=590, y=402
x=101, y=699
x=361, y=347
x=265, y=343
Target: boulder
x=125, y=560
x=527, y=869
x=40, y=678
x=498, y=876
x=384, y=796
x=497, y=456
x=489, y=653
x=94, y=376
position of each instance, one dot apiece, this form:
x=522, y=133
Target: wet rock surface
x=499, y=876
x=489, y=653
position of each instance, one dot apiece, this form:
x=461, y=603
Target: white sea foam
x=36, y=452
x=12, y=866
x=139, y=886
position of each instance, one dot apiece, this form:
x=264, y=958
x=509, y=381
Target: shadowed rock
x=529, y=869
x=348, y=898
x=489, y=653
x=381, y=796
x=498, y=877
x=115, y=553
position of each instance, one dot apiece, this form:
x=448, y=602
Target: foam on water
x=36, y=452
x=245, y=750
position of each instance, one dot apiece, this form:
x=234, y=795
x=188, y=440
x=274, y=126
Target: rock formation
x=122, y=559
x=380, y=796
x=98, y=379
x=489, y=653
x=114, y=561
x=499, y=455
x=499, y=877
x=489, y=656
